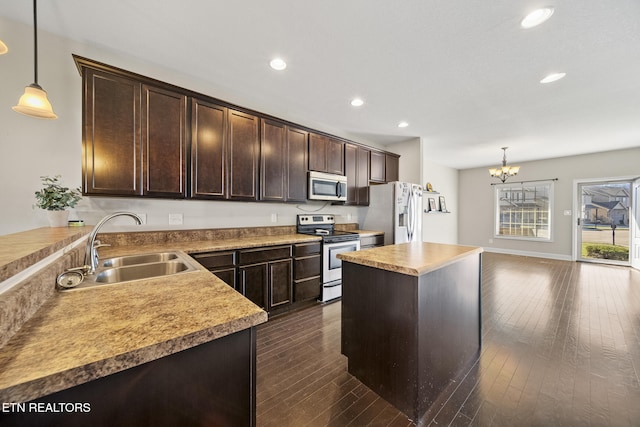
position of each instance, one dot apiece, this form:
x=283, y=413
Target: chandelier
x=504, y=172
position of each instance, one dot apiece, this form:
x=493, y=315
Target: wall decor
x=443, y=205
x=432, y=204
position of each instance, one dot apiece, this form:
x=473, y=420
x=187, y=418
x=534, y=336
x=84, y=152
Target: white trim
x=33, y=269
x=559, y=257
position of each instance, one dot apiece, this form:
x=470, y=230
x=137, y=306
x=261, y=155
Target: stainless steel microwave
x=327, y=186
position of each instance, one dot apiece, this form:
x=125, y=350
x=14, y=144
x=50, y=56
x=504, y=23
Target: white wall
x=440, y=228
x=476, y=199
x=32, y=147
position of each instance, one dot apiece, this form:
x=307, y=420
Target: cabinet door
x=111, y=135
x=208, y=148
x=280, y=283
x=253, y=283
x=227, y=275
x=272, y=160
x=243, y=156
x=362, y=178
x=378, y=160
x=164, y=150
x=351, y=171
x=391, y=168
x=317, y=153
x=335, y=156
x=297, y=155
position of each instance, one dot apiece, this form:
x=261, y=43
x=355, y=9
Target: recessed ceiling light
x=553, y=77
x=403, y=124
x=536, y=17
x=357, y=102
x=278, y=64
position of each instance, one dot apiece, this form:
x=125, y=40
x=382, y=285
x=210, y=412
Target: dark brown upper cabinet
x=356, y=165
x=208, y=150
x=111, y=134
x=384, y=167
x=283, y=162
x=134, y=138
x=378, y=166
x=392, y=166
x=243, y=156
x=224, y=153
x=297, y=161
x=164, y=146
x=326, y=154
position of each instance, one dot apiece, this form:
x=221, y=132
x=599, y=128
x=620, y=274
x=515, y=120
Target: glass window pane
x=524, y=210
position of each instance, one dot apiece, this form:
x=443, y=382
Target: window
x=523, y=210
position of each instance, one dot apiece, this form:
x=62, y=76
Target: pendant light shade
x=3, y=48
x=34, y=102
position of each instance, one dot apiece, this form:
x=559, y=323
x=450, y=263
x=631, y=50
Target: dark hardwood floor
x=561, y=347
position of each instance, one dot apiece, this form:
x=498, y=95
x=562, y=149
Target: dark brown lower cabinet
x=212, y=384
x=307, y=279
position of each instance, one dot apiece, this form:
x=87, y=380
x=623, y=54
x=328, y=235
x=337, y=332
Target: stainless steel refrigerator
x=396, y=209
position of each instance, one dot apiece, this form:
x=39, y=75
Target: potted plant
x=56, y=200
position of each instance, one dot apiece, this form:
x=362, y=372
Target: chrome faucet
x=91, y=253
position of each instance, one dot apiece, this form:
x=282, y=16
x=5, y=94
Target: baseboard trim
x=559, y=257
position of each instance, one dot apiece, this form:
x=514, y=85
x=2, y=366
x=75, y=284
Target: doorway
x=605, y=225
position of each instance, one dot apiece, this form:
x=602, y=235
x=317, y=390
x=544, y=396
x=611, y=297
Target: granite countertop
x=414, y=259
x=88, y=333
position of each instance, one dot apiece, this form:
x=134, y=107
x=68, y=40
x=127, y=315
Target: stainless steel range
x=333, y=243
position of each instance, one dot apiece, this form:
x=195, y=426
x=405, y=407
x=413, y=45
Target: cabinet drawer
x=253, y=256
x=216, y=259
x=307, y=289
x=370, y=241
x=305, y=249
x=307, y=267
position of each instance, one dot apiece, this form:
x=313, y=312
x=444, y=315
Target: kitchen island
x=411, y=319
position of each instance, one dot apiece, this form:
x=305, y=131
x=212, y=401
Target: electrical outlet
x=567, y=212
x=490, y=241
x=274, y=217
x=175, y=219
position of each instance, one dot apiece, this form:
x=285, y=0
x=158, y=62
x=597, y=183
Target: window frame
x=496, y=210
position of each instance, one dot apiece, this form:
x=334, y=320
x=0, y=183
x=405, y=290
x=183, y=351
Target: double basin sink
x=136, y=267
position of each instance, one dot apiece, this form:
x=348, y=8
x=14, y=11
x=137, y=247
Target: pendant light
x=504, y=172
x=3, y=48
x=34, y=101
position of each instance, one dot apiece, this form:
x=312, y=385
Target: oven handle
x=333, y=285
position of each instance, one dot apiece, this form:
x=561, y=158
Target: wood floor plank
x=561, y=346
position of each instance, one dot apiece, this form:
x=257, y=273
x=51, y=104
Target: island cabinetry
x=222, y=264
x=265, y=276
x=411, y=319
x=211, y=384
x=134, y=138
x=307, y=279
x=283, y=162
x=326, y=154
x=356, y=165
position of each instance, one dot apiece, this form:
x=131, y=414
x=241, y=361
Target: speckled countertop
x=89, y=333
x=413, y=259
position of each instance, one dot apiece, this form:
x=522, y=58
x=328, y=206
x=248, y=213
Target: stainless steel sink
x=137, y=267
x=141, y=271
x=138, y=259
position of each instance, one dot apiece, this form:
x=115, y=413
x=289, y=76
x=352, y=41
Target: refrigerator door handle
x=410, y=215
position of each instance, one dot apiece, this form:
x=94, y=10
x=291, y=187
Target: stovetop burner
x=323, y=226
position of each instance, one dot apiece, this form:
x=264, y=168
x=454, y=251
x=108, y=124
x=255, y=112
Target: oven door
x=331, y=265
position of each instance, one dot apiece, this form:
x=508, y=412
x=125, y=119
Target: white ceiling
x=461, y=72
